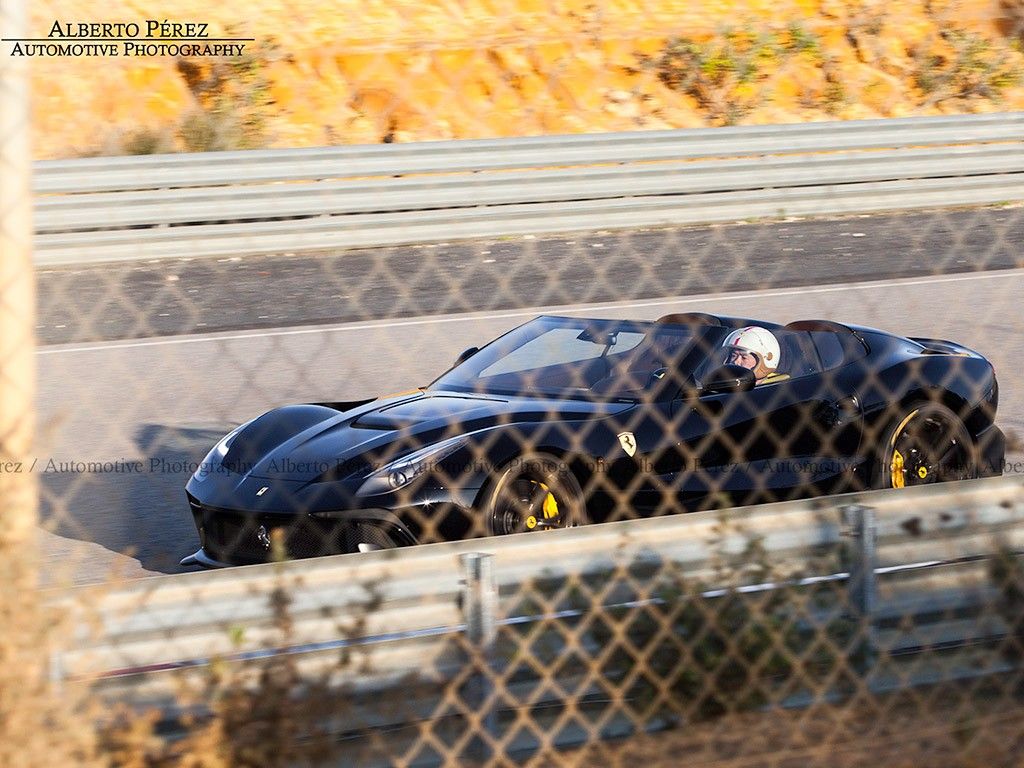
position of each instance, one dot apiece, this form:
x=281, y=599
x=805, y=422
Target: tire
x=926, y=443
x=535, y=492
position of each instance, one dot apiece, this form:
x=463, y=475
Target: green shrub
x=233, y=100
x=976, y=69
x=723, y=75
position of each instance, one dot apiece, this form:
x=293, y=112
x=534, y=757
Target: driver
x=755, y=348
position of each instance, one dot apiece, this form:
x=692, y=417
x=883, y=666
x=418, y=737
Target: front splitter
x=201, y=558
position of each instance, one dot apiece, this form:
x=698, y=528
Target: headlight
x=400, y=472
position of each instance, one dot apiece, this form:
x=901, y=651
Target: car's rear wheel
x=927, y=443
x=534, y=493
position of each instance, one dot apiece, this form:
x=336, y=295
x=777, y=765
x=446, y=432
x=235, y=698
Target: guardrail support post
x=862, y=527
x=479, y=607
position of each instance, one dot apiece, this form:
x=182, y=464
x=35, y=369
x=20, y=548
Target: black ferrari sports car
x=566, y=421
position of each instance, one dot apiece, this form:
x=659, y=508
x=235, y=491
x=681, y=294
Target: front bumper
x=240, y=537
x=200, y=557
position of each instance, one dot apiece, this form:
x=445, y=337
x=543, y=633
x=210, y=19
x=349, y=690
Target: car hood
x=306, y=443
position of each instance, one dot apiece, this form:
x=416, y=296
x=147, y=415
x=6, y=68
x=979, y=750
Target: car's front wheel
x=537, y=492
x=927, y=443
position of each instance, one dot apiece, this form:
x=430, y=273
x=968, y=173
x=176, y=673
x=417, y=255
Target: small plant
x=148, y=141
x=835, y=95
x=975, y=69
x=233, y=101
x=1006, y=573
x=201, y=131
x=232, y=108
x=685, y=650
x=255, y=713
x=725, y=75
x=797, y=39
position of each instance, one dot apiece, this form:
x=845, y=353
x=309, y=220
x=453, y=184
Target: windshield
x=576, y=358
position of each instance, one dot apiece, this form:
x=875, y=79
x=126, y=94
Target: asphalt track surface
x=165, y=401
x=173, y=297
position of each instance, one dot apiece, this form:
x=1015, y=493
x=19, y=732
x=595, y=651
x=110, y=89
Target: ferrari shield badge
x=628, y=442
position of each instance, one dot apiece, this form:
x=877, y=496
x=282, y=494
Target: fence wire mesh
x=601, y=410
x=276, y=407
x=748, y=653
x=593, y=386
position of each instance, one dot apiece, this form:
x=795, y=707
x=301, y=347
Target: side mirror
x=728, y=378
x=466, y=354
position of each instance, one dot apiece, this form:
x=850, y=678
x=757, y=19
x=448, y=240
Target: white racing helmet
x=761, y=343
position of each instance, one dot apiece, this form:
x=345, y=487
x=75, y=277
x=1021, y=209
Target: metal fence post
x=862, y=527
x=23, y=662
x=17, y=297
x=479, y=607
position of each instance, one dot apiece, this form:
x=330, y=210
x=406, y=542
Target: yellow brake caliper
x=549, y=508
x=896, y=465
x=896, y=470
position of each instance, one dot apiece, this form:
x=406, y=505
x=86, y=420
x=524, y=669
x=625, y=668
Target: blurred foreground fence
x=874, y=612
x=871, y=626
x=233, y=203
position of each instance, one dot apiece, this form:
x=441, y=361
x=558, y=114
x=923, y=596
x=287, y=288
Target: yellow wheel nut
x=922, y=472
x=531, y=522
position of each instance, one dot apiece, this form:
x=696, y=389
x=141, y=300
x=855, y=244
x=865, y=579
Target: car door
x=776, y=441
x=737, y=448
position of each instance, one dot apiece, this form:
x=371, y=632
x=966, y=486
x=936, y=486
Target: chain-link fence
x=615, y=404
x=763, y=642
x=226, y=410
x=605, y=396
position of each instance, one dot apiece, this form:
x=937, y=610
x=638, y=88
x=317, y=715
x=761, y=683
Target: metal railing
x=231, y=203
x=914, y=557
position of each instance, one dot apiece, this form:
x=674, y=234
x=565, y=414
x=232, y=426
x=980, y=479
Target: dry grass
x=930, y=728
x=336, y=73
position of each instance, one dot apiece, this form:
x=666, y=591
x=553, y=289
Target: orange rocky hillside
x=356, y=71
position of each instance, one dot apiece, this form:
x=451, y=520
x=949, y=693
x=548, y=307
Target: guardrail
x=916, y=556
x=279, y=201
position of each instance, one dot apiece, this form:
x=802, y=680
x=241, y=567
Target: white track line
x=570, y=309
